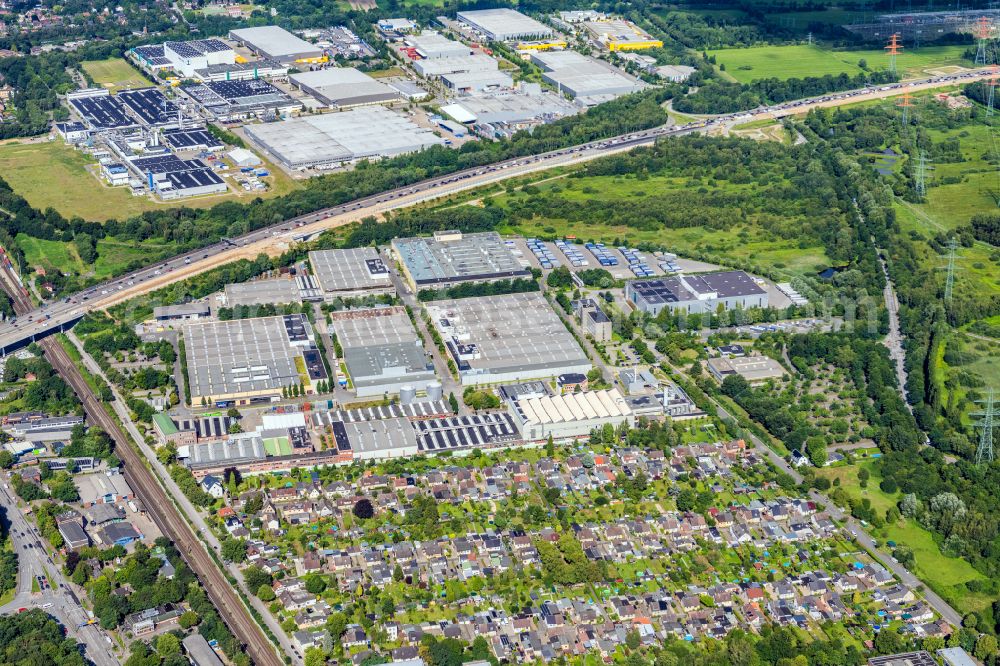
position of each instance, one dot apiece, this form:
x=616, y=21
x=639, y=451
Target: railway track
x=154, y=497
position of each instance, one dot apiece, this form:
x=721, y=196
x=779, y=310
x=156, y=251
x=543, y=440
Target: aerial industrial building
x=620, y=35
x=697, y=293
x=202, y=60
x=382, y=351
x=570, y=415
x=333, y=139
x=584, y=78
x=504, y=25
x=507, y=338
x=451, y=257
x=754, y=369
x=501, y=114
x=239, y=100
x=343, y=87
x=239, y=449
x=247, y=361
x=434, y=46
x=170, y=177
x=376, y=440
x=278, y=44
x=350, y=272
x=465, y=64
x=280, y=290
x=475, y=82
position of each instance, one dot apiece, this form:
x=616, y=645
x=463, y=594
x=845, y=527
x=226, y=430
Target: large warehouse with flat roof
x=270, y=41
x=249, y=360
x=344, y=87
x=382, y=351
x=504, y=25
x=697, y=293
x=350, y=272
x=507, y=338
x=333, y=139
x=587, y=79
x=451, y=257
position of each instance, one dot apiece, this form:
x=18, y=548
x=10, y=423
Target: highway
x=274, y=238
x=154, y=497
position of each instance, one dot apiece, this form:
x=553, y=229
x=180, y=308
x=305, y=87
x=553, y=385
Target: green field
x=798, y=61
x=52, y=174
x=114, y=73
x=745, y=244
x=112, y=255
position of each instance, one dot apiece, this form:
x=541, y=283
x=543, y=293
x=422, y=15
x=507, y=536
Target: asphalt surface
x=57, y=597
x=41, y=320
x=158, y=504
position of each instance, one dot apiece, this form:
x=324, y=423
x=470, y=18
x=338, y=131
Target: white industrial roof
x=503, y=23
x=457, y=112
x=343, y=86
x=608, y=403
x=342, y=137
x=275, y=41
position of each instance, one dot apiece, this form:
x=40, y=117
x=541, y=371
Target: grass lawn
x=52, y=174
x=798, y=61
x=114, y=73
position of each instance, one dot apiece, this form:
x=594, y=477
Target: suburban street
x=58, y=600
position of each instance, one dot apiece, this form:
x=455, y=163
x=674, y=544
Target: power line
x=984, y=450
x=921, y=175
x=950, y=281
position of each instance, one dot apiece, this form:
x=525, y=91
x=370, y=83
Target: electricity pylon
x=893, y=49
x=950, y=280
x=984, y=450
x=921, y=176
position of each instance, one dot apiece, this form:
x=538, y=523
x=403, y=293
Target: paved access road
x=277, y=237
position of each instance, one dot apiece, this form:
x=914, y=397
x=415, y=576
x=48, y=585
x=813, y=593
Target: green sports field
x=798, y=61
x=114, y=73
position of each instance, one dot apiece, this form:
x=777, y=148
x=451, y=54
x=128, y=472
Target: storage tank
x=435, y=391
x=407, y=394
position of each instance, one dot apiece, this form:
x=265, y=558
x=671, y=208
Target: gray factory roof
x=380, y=345
x=333, y=138
x=726, y=284
x=199, y=651
x=510, y=333
x=454, y=257
x=516, y=106
x=275, y=42
x=504, y=23
x=379, y=326
x=259, y=292
x=347, y=270
x=585, y=77
x=242, y=448
x=245, y=355
x=396, y=362
x=375, y=438
x=477, y=62
x=433, y=45
x=343, y=86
